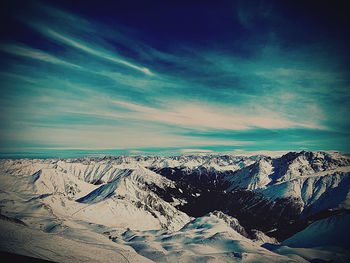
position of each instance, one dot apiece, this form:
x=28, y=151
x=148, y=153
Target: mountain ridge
x=262, y=198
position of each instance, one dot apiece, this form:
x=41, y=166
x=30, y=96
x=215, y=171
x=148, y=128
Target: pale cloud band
x=21, y=50
x=195, y=151
x=93, y=51
x=200, y=117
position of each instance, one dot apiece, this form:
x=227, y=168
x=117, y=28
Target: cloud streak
x=195, y=151
x=92, y=51
x=23, y=51
x=200, y=117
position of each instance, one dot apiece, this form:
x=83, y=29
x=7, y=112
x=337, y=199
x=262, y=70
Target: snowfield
x=293, y=208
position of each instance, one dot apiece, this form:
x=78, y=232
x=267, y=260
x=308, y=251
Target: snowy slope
x=306, y=176
x=331, y=231
x=210, y=238
x=26, y=241
x=128, y=200
x=122, y=195
x=252, y=177
x=325, y=240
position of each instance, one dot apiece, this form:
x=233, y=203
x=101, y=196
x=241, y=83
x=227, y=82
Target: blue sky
x=160, y=77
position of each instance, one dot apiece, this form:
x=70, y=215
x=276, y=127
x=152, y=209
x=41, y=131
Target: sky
x=155, y=77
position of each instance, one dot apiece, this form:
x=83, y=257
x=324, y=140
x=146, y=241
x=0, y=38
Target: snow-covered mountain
x=268, y=194
x=102, y=192
x=309, y=181
x=177, y=208
x=305, y=176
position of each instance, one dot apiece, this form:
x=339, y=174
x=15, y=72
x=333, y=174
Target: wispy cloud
x=267, y=153
x=201, y=117
x=135, y=151
x=24, y=51
x=96, y=51
x=155, y=83
x=109, y=137
x=195, y=151
x=15, y=76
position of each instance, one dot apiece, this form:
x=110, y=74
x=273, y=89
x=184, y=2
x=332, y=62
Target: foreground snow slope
x=324, y=240
x=19, y=239
x=211, y=238
x=331, y=231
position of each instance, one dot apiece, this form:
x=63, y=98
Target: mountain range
x=194, y=208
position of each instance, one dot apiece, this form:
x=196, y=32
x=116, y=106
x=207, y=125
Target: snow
x=311, y=189
x=85, y=209
x=208, y=238
x=26, y=241
x=66, y=192
x=326, y=240
x=306, y=176
x=261, y=238
x=252, y=177
x=332, y=231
